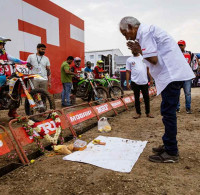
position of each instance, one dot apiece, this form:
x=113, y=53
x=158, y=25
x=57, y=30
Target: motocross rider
x=98, y=69
x=6, y=71
x=76, y=69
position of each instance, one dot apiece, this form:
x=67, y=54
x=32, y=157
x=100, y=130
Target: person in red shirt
x=187, y=84
x=98, y=69
x=77, y=70
x=5, y=71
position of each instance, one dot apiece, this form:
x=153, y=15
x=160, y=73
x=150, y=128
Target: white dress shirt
x=171, y=65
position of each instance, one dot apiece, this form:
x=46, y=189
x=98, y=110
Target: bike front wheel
x=101, y=96
x=116, y=92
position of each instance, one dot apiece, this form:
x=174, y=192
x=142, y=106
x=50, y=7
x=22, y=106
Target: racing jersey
x=97, y=72
x=6, y=69
x=76, y=70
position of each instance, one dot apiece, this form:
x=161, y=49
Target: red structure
x=67, y=44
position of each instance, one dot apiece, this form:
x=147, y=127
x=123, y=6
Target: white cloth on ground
x=118, y=154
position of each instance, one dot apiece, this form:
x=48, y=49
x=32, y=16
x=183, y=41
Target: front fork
x=30, y=99
x=94, y=88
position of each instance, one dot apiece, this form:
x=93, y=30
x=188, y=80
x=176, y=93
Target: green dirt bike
x=114, y=89
x=88, y=89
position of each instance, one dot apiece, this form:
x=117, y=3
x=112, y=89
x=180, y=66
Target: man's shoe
x=178, y=110
x=164, y=158
x=188, y=111
x=159, y=149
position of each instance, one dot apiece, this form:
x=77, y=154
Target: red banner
x=80, y=115
x=102, y=108
x=127, y=100
x=48, y=126
x=4, y=148
x=133, y=98
x=117, y=103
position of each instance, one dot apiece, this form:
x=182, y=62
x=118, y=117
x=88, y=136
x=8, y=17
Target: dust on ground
x=52, y=175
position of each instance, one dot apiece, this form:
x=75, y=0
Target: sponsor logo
x=115, y=104
x=133, y=63
x=102, y=108
x=80, y=116
x=127, y=100
x=1, y=144
x=48, y=126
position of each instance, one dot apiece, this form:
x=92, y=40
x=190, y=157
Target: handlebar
x=7, y=63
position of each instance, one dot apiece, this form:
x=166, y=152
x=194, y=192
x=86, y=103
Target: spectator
x=139, y=82
x=41, y=66
x=169, y=69
x=191, y=58
x=66, y=79
x=88, y=67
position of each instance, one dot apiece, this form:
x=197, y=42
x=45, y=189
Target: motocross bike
x=19, y=85
x=88, y=89
x=114, y=89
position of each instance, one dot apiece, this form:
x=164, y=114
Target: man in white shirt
x=139, y=82
x=169, y=69
x=41, y=66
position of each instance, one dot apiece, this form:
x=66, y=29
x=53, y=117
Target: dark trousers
x=145, y=92
x=170, y=98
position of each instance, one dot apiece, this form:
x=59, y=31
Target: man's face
x=182, y=47
x=41, y=50
x=129, y=34
x=1, y=45
x=101, y=65
x=89, y=65
x=77, y=63
x=69, y=61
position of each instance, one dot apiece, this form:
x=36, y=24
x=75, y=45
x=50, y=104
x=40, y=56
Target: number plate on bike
x=21, y=68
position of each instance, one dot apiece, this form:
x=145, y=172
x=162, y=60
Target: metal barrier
x=21, y=137
x=68, y=120
x=7, y=145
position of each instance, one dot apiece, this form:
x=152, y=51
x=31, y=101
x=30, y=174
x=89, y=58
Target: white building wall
x=96, y=56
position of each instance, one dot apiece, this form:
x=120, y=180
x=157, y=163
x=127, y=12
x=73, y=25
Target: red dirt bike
x=20, y=85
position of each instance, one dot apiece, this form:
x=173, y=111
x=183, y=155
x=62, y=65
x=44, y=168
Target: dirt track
x=52, y=175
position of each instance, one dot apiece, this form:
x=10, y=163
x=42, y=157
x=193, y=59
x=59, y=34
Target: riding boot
x=13, y=113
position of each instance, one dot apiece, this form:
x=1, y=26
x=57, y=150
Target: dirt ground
x=52, y=175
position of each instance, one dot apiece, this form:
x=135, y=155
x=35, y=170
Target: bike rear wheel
x=43, y=104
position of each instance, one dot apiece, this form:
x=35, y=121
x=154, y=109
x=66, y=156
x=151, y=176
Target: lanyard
x=38, y=60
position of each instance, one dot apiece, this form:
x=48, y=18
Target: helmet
x=4, y=40
x=77, y=59
x=100, y=62
x=88, y=63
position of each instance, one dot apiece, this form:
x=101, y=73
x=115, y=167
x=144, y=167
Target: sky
x=180, y=18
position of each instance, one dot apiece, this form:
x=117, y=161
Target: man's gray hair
x=128, y=20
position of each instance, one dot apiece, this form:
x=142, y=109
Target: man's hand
x=134, y=46
x=128, y=86
x=151, y=83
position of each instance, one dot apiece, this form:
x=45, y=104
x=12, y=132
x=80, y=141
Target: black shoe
x=188, y=111
x=159, y=149
x=164, y=158
x=178, y=110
